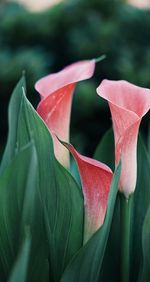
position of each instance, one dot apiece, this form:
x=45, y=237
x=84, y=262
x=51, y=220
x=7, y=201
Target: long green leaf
x=86, y=265
x=59, y=193
x=105, y=153
x=110, y=270
x=13, y=115
x=149, y=141
x=141, y=202
x=16, y=211
x=146, y=248
x=19, y=271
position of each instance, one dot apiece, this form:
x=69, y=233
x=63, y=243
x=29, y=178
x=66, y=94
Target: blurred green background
x=44, y=42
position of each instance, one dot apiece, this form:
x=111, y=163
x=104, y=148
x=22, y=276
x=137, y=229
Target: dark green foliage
x=141, y=202
x=16, y=212
x=21, y=265
x=146, y=248
x=148, y=143
x=105, y=153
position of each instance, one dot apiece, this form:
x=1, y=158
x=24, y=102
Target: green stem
x=125, y=217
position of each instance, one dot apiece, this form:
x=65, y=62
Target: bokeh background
x=43, y=41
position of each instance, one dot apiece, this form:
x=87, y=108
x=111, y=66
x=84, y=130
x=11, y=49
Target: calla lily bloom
x=128, y=104
x=96, y=179
x=56, y=92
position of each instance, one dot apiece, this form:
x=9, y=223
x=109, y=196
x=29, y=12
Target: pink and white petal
x=96, y=179
x=128, y=148
x=56, y=91
x=126, y=96
x=55, y=110
x=71, y=74
x=128, y=104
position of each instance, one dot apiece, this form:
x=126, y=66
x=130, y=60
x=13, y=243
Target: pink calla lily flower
x=128, y=104
x=56, y=92
x=96, y=179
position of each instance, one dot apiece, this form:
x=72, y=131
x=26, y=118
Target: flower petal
x=71, y=74
x=128, y=104
x=96, y=179
x=126, y=95
x=56, y=91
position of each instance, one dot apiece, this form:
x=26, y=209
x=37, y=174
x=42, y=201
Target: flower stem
x=125, y=217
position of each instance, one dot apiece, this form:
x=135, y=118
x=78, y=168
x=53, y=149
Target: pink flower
x=96, y=179
x=128, y=104
x=56, y=92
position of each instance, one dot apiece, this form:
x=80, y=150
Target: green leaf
x=105, y=150
x=105, y=153
x=141, y=202
x=74, y=171
x=60, y=197
x=86, y=265
x=146, y=248
x=112, y=252
x=17, y=194
x=13, y=114
x=59, y=193
x=149, y=141
x=19, y=270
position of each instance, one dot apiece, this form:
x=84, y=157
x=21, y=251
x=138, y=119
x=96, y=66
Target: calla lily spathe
x=96, y=180
x=128, y=104
x=56, y=91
